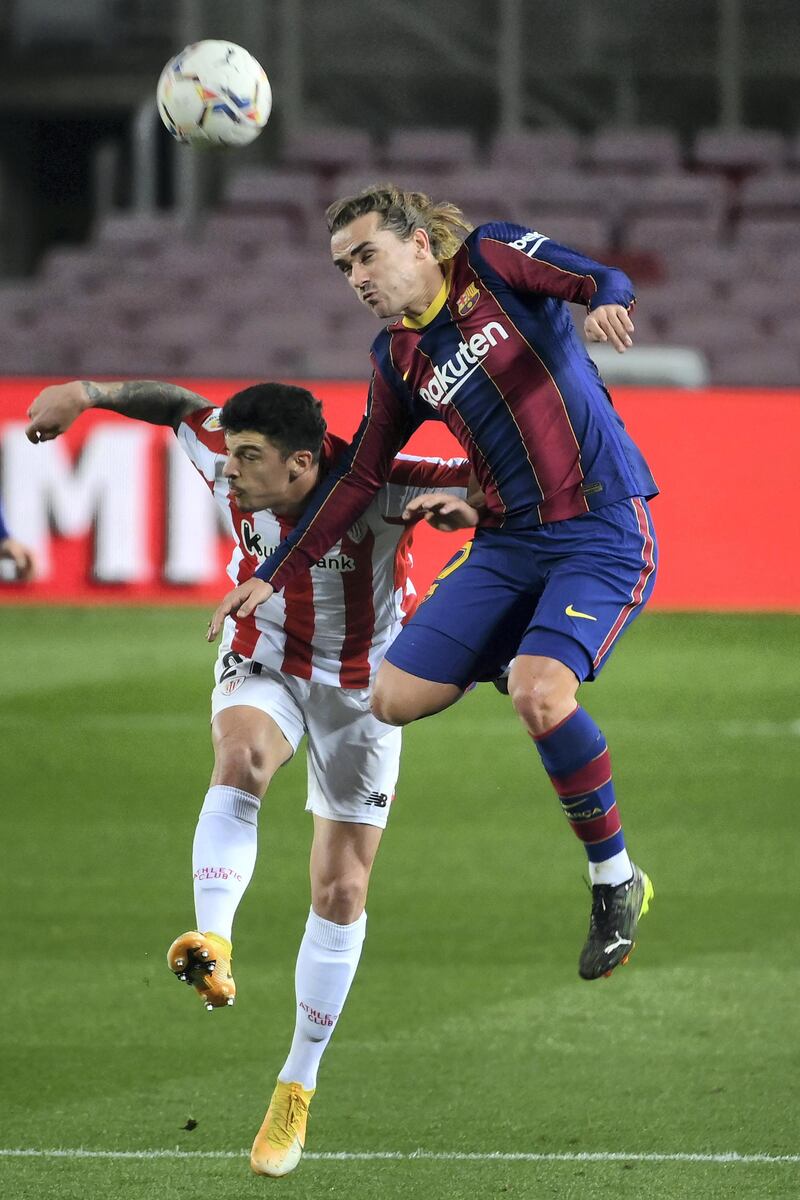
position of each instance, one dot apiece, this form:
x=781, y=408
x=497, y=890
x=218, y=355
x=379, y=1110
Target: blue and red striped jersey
x=496, y=357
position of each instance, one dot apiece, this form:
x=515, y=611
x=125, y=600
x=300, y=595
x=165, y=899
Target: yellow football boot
x=280, y=1140
x=203, y=960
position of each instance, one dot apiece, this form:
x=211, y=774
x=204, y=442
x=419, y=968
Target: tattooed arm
x=56, y=407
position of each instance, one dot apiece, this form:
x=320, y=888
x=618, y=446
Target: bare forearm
x=60, y=404
x=145, y=400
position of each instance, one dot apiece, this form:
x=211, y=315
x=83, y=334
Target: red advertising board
x=114, y=512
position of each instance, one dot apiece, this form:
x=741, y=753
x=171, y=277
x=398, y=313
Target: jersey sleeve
x=411, y=477
x=201, y=438
x=3, y=528
x=530, y=262
x=347, y=490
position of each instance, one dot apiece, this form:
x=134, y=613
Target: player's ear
x=422, y=242
x=299, y=463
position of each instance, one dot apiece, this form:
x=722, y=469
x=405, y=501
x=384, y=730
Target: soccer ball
x=214, y=94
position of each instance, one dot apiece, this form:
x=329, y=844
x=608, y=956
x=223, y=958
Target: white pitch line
x=412, y=1155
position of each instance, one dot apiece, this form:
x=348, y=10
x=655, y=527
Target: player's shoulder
x=203, y=420
x=333, y=449
x=204, y=423
x=510, y=234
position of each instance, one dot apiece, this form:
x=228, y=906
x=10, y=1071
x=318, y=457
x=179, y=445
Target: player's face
x=258, y=474
x=387, y=273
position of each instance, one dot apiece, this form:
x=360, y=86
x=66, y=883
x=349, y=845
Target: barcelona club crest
x=467, y=300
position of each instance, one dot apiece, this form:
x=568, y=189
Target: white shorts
x=353, y=758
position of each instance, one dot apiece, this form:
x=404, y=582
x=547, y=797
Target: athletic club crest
x=212, y=422
x=467, y=300
x=231, y=685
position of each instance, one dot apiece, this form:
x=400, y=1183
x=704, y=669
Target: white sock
x=326, y=964
x=223, y=856
x=617, y=869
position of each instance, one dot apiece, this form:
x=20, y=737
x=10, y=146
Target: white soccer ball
x=214, y=94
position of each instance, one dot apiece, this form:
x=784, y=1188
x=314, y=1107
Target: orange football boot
x=203, y=960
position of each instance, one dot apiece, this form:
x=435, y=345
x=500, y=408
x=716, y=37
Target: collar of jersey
x=436, y=305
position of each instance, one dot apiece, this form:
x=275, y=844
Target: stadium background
x=664, y=137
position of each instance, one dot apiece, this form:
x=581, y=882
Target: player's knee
x=391, y=707
x=341, y=900
x=538, y=701
x=241, y=763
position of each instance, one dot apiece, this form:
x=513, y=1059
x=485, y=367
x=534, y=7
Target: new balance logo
x=377, y=799
x=448, y=378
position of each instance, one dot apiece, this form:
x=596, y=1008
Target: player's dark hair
x=403, y=212
x=289, y=416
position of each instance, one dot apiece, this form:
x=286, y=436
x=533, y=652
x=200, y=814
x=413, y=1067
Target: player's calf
x=203, y=961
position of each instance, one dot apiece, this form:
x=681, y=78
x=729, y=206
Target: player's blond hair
x=404, y=211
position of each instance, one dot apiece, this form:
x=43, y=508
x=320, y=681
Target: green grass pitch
x=468, y=1030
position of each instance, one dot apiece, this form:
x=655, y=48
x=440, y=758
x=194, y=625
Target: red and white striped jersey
x=334, y=623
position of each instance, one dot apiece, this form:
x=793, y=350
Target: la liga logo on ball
x=214, y=93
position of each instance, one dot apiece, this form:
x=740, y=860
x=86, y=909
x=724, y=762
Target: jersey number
x=460, y=558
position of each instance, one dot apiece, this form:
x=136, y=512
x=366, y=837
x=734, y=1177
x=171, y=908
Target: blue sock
x=575, y=755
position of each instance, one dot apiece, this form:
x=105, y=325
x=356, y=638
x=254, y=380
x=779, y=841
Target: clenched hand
x=54, y=410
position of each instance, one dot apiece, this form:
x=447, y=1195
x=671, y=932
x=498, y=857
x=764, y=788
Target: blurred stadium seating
x=682, y=169
x=252, y=292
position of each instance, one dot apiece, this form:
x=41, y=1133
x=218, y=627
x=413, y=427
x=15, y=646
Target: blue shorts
x=566, y=590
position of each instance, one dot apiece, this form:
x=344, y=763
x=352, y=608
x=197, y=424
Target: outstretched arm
x=58, y=406
x=531, y=262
